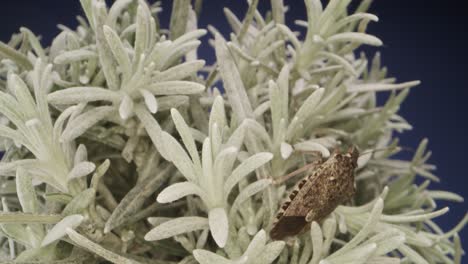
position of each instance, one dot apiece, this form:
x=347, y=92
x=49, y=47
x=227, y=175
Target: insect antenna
x=387, y=148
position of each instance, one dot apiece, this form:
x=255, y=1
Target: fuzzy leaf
x=26, y=193
x=154, y=130
x=76, y=95
x=186, y=135
x=232, y=81
x=178, y=156
x=179, y=190
x=83, y=122
x=97, y=249
x=150, y=101
x=368, y=227
x=179, y=18
x=72, y=56
x=257, y=244
x=219, y=226
x=117, y=48
x=217, y=114
x=126, y=107
x=286, y=150
x=249, y=191
x=225, y=161
x=246, y=167
x=317, y=242
x=270, y=253
x=80, y=202
x=379, y=87
x=177, y=226
x=309, y=146
x=304, y=112
x=357, y=37
x=207, y=257
x=175, y=87
x=23, y=218
x=142, y=29
x=181, y=71
x=134, y=199
x=237, y=137
x=81, y=169
x=81, y=155
x=106, y=58
x=10, y=53
x=22, y=94
x=340, y=60
x=59, y=230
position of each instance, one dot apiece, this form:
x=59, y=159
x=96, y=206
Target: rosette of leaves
x=317, y=87
x=138, y=66
x=56, y=163
x=212, y=177
x=26, y=219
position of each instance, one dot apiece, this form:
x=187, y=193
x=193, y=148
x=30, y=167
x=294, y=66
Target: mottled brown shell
x=317, y=195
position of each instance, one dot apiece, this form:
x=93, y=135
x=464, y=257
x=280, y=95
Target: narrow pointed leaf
x=355, y=37
x=10, y=53
x=80, y=202
x=179, y=190
x=219, y=226
x=247, y=192
x=150, y=101
x=135, y=198
x=126, y=107
x=186, y=135
x=246, y=167
x=257, y=244
x=25, y=190
x=72, y=56
x=207, y=257
x=175, y=87
x=177, y=226
x=178, y=156
x=270, y=252
x=97, y=249
x=232, y=81
x=180, y=72
x=106, y=58
x=309, y=146
x=76, y=95
x=23, y=218
x=59, y=230
x=81, y=169
x=83, y=122
x=118, y=49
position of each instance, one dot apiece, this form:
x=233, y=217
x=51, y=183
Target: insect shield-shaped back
x=317, y=195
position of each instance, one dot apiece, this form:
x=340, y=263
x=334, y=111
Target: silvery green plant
x=211, y=177
x=118, y=145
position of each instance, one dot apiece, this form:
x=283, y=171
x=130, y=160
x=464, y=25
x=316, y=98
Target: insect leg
x=311, y=216
x=284, y=178
x=311, y=152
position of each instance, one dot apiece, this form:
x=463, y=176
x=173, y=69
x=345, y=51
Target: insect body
x=317, y=195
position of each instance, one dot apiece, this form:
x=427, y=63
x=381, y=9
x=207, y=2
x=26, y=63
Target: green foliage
x=117, y=148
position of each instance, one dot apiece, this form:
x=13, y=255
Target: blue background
x=423, y=39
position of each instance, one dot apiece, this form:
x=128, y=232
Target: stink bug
x=317, y=195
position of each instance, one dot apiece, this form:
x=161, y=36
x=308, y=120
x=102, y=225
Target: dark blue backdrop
x=423, y=39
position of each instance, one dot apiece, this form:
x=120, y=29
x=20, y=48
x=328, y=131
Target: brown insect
x=317, y=195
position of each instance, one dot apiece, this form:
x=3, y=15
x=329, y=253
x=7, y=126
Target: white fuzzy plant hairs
x=118, y=146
